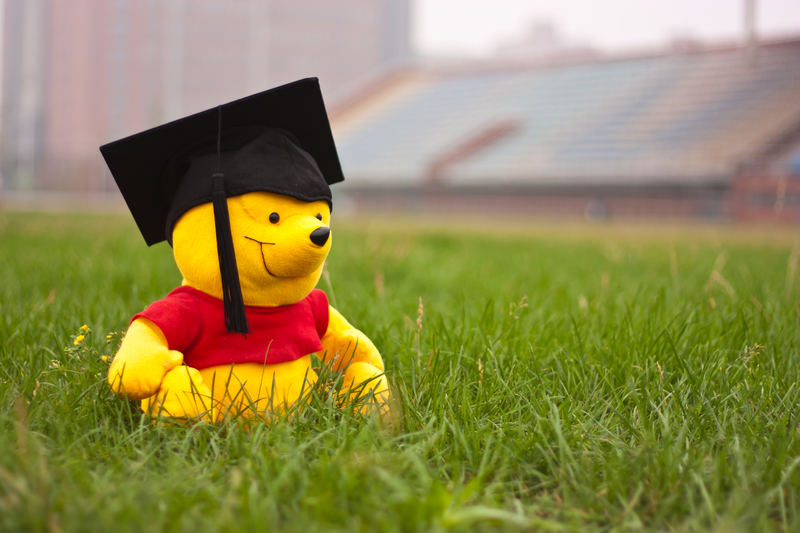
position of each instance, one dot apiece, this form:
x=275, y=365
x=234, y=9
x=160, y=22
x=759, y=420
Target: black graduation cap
x=276, y=141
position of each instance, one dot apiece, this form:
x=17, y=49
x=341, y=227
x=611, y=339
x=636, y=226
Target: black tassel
x=235, y=316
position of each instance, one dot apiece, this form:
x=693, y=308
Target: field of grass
x=554, y=378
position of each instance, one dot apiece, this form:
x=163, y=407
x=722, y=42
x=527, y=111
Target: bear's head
x=242, y=193
x=280, y=245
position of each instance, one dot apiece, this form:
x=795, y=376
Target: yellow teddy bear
x=247, y=210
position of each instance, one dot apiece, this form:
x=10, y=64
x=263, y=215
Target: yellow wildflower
x=109, y=336
x=78, y=340
x=104, y=358
x=84, y=327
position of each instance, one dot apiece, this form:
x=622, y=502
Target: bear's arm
x=142, y=361
x=343, y=344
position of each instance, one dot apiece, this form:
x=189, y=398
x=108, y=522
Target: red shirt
x=193, y=323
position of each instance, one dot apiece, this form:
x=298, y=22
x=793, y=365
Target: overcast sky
x=476, y=27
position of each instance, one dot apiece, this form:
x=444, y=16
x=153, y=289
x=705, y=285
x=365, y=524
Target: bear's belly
x=247, y=388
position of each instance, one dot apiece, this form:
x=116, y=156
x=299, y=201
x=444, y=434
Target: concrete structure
x=674, y=134
x=79, y=73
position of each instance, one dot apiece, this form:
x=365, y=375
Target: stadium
x=710, y=133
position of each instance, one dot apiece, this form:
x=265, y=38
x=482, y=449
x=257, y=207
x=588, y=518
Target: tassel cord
x=232, y=299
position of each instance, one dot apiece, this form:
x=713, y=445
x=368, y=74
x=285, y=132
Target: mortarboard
x=276, y=141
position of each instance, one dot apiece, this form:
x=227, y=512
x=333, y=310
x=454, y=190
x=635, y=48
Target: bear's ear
x=140, y=164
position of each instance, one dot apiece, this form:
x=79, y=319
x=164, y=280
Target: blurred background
x=667, y=109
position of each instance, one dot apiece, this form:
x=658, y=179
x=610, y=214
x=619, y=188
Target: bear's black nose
x=320, y=235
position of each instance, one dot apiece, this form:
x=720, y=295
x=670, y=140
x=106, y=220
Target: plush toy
x=242, y=194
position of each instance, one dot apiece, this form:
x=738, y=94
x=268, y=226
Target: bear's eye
x=274, y=218
x=319, y=216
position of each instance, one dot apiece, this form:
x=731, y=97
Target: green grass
x=577, y=378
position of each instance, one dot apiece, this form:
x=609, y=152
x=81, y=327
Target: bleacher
x=674, y=120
